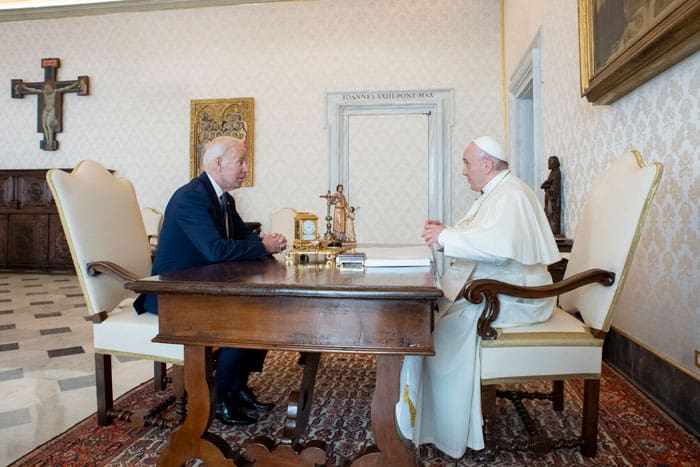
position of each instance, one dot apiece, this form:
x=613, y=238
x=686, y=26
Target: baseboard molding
x=671, y=388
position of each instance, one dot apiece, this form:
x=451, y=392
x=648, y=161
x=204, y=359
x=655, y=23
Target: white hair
x=220, y=146
x=498, y=164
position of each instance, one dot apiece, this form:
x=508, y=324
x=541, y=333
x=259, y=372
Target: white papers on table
x=396, y=256
x=395, y=271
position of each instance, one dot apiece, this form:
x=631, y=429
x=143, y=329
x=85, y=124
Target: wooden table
x=386, y=312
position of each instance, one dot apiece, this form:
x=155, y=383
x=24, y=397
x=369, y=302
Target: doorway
x=391, y=151
x=525, y=122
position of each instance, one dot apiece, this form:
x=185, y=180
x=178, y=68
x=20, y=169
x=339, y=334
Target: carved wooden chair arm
x=95, y=268
x=479, y=290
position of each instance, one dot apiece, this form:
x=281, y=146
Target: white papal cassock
x=505, y=236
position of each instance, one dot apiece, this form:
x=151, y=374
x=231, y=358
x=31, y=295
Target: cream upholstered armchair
x=109, y=246
x=570, y=344
x=152, y=220
x=282, y=221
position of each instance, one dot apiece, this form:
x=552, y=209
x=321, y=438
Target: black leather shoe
x=246, y=399
x=232, y=415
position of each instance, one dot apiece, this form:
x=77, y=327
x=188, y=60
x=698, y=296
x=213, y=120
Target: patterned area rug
x=633, y=431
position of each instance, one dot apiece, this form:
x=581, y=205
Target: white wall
x=144, y=69
x=661, y=119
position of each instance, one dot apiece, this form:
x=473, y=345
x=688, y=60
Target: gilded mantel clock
x=305, y=228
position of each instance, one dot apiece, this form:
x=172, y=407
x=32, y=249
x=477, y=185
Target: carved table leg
x=290, y=451
x=192, y=440
x=393, y=449
x=299, y=402
x=308, y=381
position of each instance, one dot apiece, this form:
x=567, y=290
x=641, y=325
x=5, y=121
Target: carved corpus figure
x=49, y=120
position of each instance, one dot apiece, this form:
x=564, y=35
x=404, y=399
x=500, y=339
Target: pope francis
x=505, y=235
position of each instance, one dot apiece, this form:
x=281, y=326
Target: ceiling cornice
x=123, y=6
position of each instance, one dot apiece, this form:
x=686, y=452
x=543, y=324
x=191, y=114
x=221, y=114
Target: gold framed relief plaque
x=210, y=118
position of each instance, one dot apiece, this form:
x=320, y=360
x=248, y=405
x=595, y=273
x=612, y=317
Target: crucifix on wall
x=50, y=99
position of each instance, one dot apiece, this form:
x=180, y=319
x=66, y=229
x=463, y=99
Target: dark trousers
x=233, y=368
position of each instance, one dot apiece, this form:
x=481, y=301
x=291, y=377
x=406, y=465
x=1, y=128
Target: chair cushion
x=559, y=348
x=126, y=333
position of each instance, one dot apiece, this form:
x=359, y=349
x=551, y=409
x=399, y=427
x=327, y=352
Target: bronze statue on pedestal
x=552, y=196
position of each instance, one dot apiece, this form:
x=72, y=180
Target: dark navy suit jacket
x=194, y=234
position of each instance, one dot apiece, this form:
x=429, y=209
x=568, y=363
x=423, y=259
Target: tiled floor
x=47, y=374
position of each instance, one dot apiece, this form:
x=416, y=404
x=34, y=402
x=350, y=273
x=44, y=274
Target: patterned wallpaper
x=144, y=69
x=660, y=306
x=389, y=175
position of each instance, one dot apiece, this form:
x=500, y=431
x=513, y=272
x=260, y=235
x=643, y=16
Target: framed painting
x=624, y=43
x=210, y=118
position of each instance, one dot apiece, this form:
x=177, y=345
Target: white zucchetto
x=492, y=147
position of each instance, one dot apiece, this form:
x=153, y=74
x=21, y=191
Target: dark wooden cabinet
x=31, y=236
